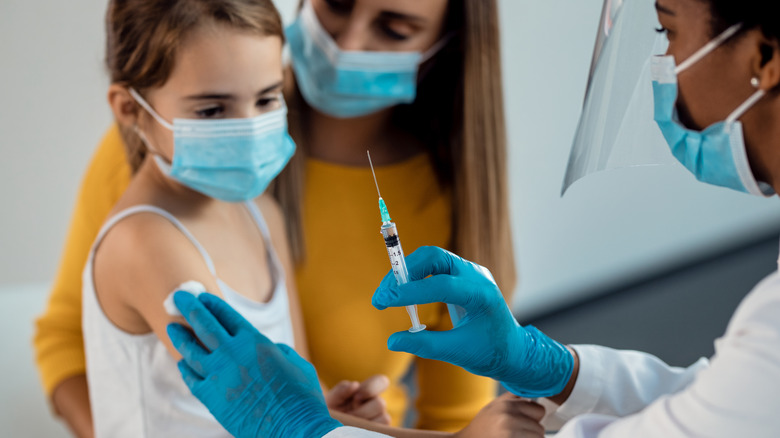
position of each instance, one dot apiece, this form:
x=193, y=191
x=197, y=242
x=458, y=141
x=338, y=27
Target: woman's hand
x=362, y=400
x=71, y=402
x=506, y=416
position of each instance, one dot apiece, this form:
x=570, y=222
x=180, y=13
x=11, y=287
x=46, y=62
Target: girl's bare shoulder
x=140, y=260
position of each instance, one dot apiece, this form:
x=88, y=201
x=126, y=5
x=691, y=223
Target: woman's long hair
x=459, y=115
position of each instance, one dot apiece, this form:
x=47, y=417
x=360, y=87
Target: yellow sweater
x=346, y=259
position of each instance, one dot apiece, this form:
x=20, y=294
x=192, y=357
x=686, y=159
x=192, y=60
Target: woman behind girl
x=440, y=156
x=419, y=84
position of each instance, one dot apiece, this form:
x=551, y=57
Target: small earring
x=755, y=82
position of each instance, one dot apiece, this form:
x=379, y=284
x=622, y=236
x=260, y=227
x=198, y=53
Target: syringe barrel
x=398, y=263
x=395, y=252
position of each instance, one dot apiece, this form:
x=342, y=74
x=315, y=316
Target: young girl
x=197, y=84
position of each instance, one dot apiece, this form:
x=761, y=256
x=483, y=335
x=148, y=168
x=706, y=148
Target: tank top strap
x=277, y=271
x=254, y=210
x=143, y=208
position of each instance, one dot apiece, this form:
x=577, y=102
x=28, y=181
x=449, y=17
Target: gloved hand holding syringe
x=396, y=253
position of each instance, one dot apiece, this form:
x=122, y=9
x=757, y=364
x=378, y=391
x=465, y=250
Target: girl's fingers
x=372, y=387
x=342, y=393
x=374, y=408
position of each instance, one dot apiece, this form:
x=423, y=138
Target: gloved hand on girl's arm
x=252, y=386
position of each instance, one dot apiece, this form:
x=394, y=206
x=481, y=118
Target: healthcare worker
x=417, y=82
x=717, y=105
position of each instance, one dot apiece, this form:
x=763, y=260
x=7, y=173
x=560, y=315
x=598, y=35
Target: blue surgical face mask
x=227, y=159
x=348, y=84
x=717, y=154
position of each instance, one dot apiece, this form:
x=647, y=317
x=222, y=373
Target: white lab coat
x=632, y=394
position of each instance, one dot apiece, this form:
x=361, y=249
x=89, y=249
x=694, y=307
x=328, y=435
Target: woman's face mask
x=227, y=159
x=717, y=154
x=348, y=84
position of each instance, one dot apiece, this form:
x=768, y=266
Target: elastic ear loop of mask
x=746, y=105
x=149, y=109
x=707, y=48
x=162, y=162
x=740, y=156
x=140, y=100
x=437, y=46
x=143, y=138
x=739, y=152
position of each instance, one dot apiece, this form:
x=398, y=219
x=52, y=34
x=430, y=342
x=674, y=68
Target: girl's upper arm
x=276, y=225
x=141, y=260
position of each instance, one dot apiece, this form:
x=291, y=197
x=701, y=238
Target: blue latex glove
x=253, y=387
x=488, y=341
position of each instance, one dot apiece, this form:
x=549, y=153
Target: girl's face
x=716, y=85
x=382, y=25
x=219, y=73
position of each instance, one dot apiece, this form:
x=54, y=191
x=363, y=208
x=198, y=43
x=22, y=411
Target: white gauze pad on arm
x=194, y=287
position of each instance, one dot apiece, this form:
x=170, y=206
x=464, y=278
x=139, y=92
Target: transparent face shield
x=616, y=128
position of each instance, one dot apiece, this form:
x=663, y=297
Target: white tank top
x=134, y=385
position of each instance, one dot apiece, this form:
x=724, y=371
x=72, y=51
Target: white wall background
x=608, y=229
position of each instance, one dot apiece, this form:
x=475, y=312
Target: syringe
x=393, y=244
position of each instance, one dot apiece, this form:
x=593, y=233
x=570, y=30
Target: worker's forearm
x=71, y=401
x=564, y=395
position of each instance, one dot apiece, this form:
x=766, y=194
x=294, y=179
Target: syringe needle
x=372, y=172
